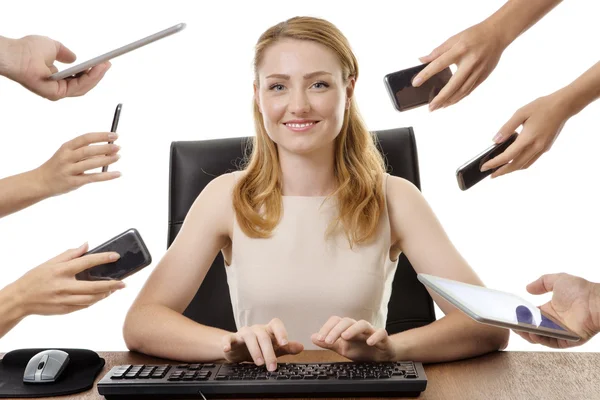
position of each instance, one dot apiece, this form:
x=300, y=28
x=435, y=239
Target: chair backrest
x=195, y=163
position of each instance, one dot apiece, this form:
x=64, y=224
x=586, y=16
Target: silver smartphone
x=496, y=308
x=114, y=126
x=81, y=68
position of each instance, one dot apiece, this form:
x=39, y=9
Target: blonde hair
x=358, y=165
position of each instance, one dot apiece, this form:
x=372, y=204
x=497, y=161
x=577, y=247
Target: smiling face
x=302, y=95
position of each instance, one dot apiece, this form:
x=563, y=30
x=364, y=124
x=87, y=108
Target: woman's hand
x=476, y=52
x=52, y=288
x=356, y=340
x=542, y=121
x=261, y=344
x=66, y=170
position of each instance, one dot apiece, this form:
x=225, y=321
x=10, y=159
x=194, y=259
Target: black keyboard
x=209, y=380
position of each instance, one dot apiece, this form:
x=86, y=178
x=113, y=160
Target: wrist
x=7, y=56
x=13, y=303
x=595, y=307
x=401, y=347
x=39, y=185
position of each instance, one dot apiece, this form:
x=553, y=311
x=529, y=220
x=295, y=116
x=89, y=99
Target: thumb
x=63, y=54
x=543, y=284
x=69, y=254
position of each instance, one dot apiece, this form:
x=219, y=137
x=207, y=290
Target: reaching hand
x=542, y=121
x=52, y=288
x=476, y=52
x=65, y=171
x=574, y=303
x=31, y=61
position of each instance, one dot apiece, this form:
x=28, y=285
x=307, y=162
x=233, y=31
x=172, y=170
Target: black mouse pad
x=78, y=376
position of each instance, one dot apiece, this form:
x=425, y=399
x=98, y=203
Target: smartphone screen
x=470, y=173
x=134, y=257
x=405, y=96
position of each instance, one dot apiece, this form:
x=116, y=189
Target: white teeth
x=300, y=125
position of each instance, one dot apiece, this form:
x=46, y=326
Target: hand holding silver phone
x=81, y=68
x=114, y=126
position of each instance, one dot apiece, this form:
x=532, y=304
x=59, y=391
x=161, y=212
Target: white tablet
x=497, y=308
x=115, y=53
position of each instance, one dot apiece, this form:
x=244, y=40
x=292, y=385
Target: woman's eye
x=276, y=87
x=320, y=85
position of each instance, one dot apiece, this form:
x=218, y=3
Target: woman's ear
x=256, y=97
x=350, y=90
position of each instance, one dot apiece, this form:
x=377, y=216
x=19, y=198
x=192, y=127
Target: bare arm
x=155, y=324
x=416, y=230
x=517, y=16
x=21, y=191
x=582, y=91
x=10, y=311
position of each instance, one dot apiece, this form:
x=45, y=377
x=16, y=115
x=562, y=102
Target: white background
x=198, y=85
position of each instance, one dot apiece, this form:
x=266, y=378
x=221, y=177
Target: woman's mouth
x=300, y=126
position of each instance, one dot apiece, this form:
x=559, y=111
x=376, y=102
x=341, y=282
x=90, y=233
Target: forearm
x=20, y=191
x=516, y=16
x=581, y=92
x=11, y=312
x=159, y=331
x=452, y=337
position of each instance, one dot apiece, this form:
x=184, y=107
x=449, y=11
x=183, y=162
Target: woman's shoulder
x=399, y=187
x=221, y=186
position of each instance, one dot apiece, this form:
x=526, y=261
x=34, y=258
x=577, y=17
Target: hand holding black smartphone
x=405, y=96
x=114, y=126
x=134, y=256
x=470, y=173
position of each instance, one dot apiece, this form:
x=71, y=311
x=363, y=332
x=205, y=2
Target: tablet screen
x=493, y=305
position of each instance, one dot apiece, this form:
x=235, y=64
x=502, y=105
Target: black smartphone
x=134, y=256
x=470, y=173
x=405, y=96
x=114, y=126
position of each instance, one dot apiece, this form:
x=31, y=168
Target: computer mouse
x=46, y=366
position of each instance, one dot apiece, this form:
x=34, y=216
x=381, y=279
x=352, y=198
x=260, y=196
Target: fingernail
x=259, y=361
x=284, y=342
x=320, y=338
x=272, y=367
x=484, y=168
x=329, y=340
x=117, y=156
x=497, y=137
x=116, y=174
x=83, y=245
x=116, y=147
x=114, y=256
x=433, y=106
x=417, y=81
x=113, y=136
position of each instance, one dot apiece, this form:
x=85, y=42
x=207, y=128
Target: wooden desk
x=497, y=376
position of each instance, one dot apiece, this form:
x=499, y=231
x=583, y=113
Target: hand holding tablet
x=497, y=308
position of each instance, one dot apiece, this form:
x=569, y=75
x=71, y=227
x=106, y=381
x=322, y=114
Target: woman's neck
x=307, y=175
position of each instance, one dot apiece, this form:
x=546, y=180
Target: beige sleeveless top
x=302, y=277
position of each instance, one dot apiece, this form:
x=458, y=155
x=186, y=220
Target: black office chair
x=195, y=163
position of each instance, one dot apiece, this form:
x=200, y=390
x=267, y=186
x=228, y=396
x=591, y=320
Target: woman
x=311, y=230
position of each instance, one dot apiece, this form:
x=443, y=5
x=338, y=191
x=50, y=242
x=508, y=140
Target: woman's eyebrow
x=307, y=76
